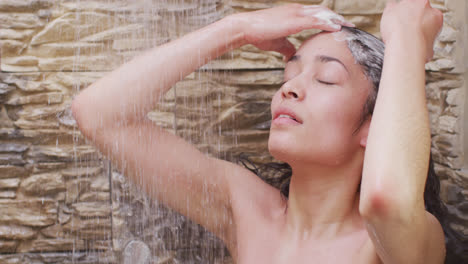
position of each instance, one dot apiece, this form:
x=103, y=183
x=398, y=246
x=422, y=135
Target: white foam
x=341, y=36
x=327, y=16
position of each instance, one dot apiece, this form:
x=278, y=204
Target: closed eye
x=326, y=83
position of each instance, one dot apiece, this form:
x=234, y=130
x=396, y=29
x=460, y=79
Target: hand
x=413, y=18
x=267, y=29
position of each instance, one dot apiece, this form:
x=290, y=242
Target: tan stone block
x=359, y=7
x=100, y=184
x=114, y=7
x=8, y=246
x=242, y=5
x=11, y=48
x=39, y=124
x=13, y=147
x=96, y=228
x=7, y=194
x=101, y=245
x=254, y=136
x=32, y=86
x=16, y=34
x=31, y=212
x=54, y=231
x=163, y=119
x=443, y=64
x=24, y=5
x=264, y=78
x=20, y=21
x=363, y=21
x=75, y=188
x=48, y=166
x=13, y=68
x=20, y=61
x=45, y=136
x=14, y=232
x=8, y=171
x=44, y=98
x=71, y=26
x=122, y=32
x=11, y=159
x=63, y=217
x=455, y=160
x=66, y=49
x=43, y=184
x=132, y=44
x=81, y=172
x=243, y=115
x=449, y=124
x=455, y=96
x=51, y=245
x=63, y=153
x=245, y=59
x=76, y=79
x=448, y=34
x=448, y=144
x=34, y=112
x=92, y=209
x=94, y=197
x=9, y=183
x=79, y=63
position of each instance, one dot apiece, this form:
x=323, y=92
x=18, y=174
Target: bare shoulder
x=252, y=201
x=249, y=193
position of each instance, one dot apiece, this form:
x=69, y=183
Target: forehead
x=332, y=45
x=327, y=44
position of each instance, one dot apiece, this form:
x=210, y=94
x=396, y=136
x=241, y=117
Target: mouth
x=286, y=116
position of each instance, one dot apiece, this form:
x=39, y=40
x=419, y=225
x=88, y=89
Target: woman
x=356, y=192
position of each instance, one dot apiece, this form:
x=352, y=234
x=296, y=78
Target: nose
x=291, y=90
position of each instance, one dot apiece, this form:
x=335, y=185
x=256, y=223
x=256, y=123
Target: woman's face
x=324, y=91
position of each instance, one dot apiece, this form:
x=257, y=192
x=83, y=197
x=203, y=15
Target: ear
x=364, y=132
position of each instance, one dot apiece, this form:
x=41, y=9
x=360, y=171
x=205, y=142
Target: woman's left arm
x=399, y=141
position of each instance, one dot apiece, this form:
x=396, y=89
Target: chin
x=281, y=149
x=285, y=148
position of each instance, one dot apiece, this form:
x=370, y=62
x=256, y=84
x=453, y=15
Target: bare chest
x=260, y=245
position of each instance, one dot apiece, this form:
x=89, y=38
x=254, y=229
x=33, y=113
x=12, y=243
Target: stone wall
x=62, y=201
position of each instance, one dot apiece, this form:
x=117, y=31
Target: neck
x=324, y=200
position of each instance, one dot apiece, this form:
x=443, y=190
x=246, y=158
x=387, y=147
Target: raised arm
x=111, y=113
x=399, y=142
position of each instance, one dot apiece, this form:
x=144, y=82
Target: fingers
x=287, y=49
x=325, y=17
x=283, y=46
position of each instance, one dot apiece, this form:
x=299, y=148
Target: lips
x=286, y=114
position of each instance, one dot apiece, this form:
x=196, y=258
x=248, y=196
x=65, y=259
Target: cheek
x=335, y=117
x=338, y=109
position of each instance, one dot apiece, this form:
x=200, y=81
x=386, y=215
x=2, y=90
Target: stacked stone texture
x=61, y=201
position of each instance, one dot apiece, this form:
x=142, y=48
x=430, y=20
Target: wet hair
x=368, y=52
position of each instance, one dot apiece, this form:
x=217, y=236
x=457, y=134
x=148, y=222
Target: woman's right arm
x=127, y=94
x=111, y=114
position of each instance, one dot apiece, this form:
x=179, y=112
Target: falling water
x=143, y=230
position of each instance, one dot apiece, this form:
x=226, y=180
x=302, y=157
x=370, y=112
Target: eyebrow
x=324, y=58
x=321, y=58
